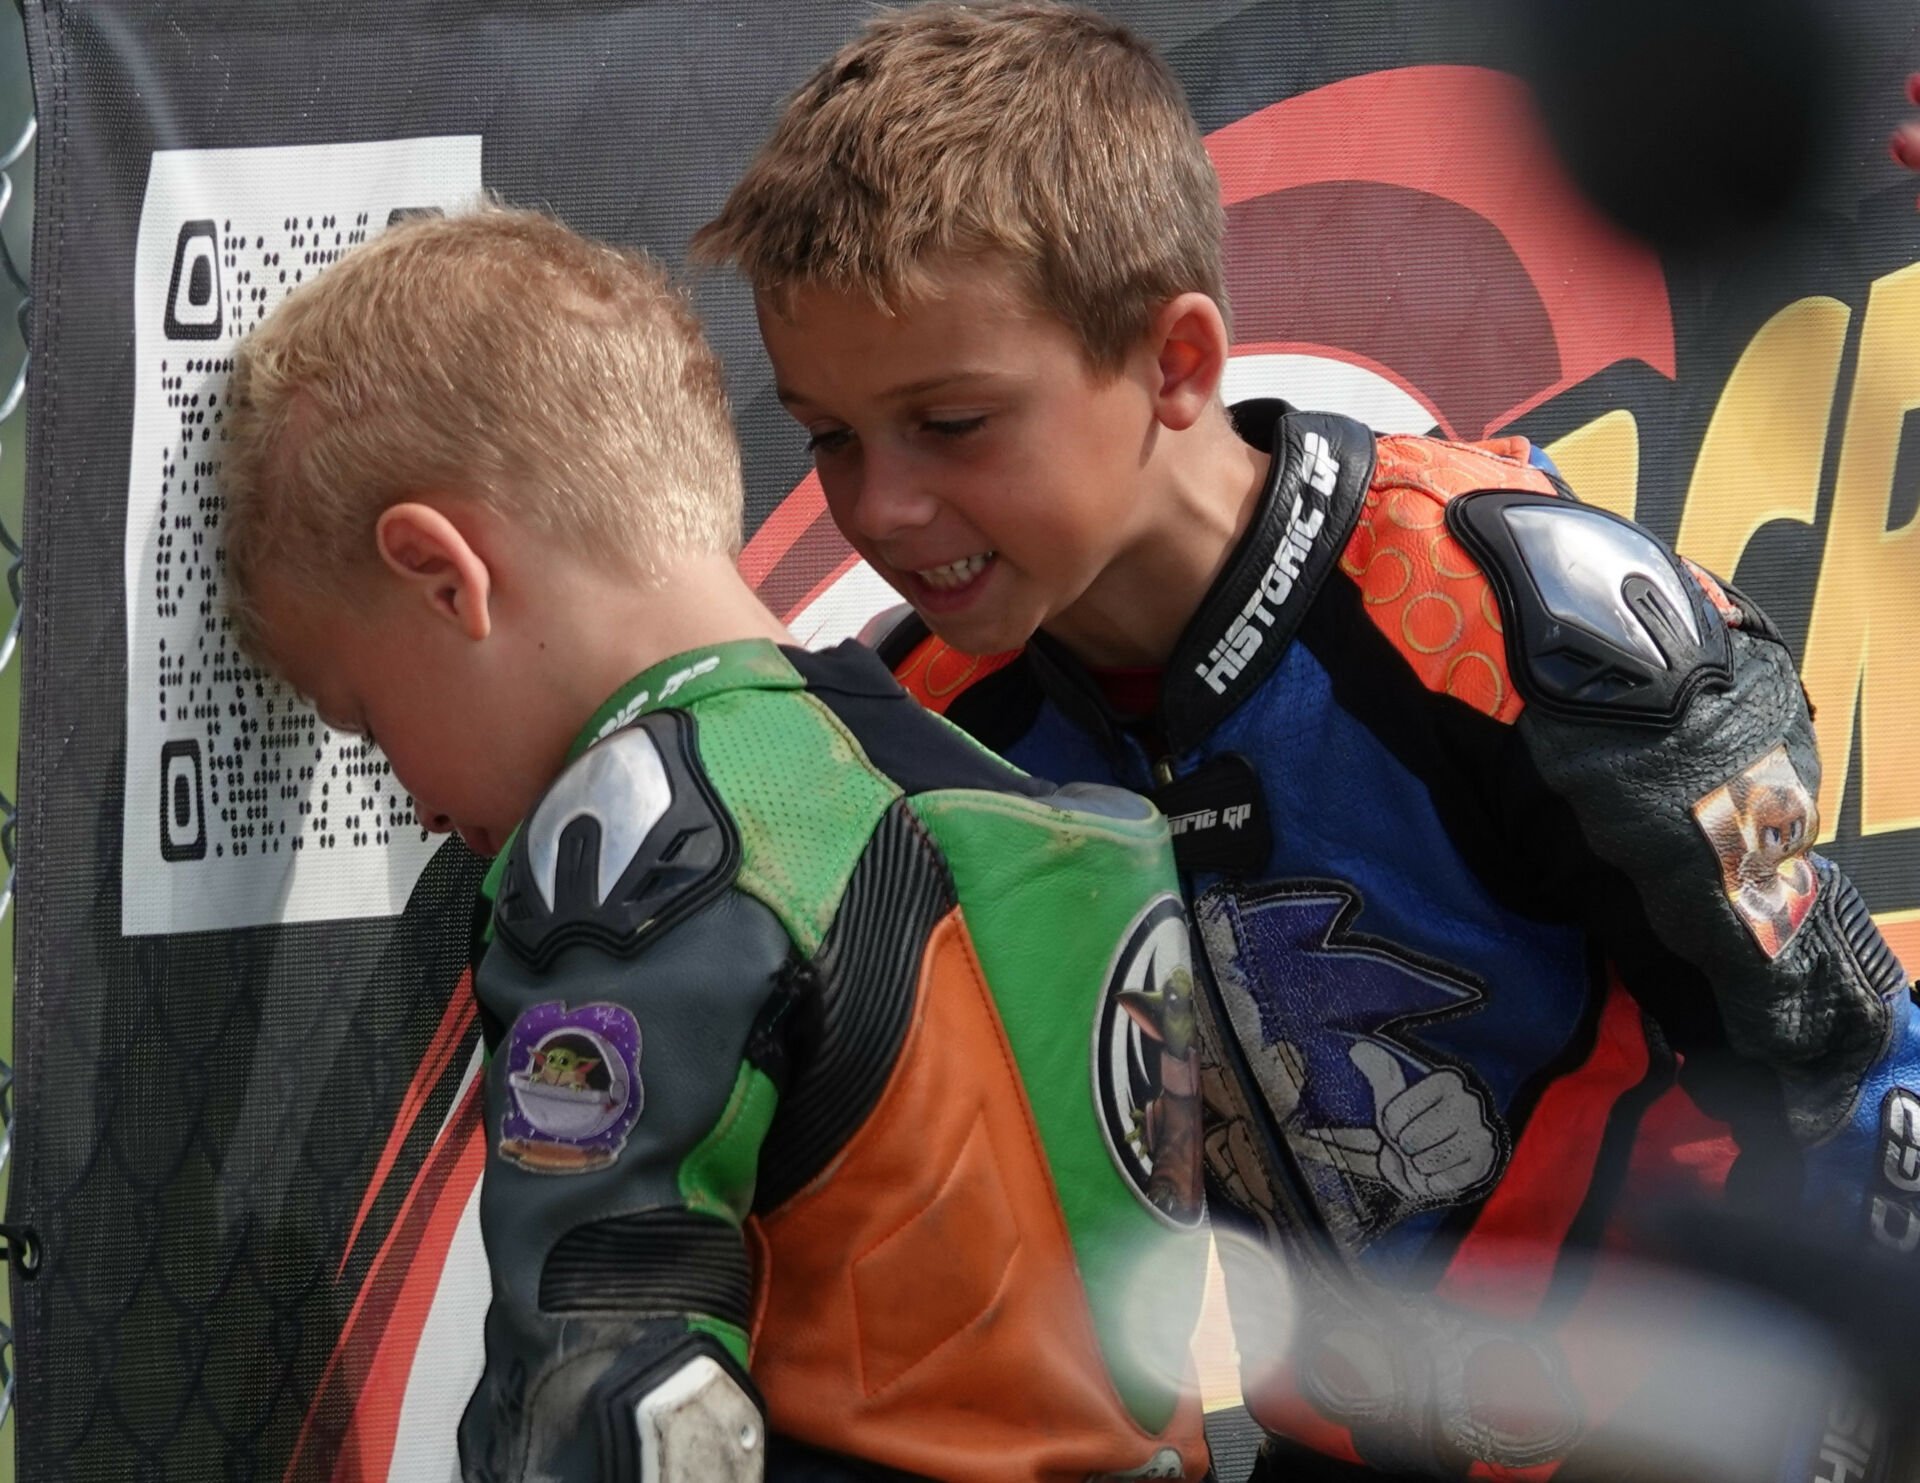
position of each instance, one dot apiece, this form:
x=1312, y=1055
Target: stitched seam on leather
x=823, y=1181
x=1012, y=1070
x=1006, y=1275
x=860, y=1352
x=958, y=919
x=760, y=1260
x=1091, y=1333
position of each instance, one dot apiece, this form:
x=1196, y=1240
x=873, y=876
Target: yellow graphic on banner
x=1761, y=456
x=1601, y=462
x=1860, y=661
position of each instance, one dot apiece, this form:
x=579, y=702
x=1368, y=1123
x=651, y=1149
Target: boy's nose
x=431, y=822
x=888, y=501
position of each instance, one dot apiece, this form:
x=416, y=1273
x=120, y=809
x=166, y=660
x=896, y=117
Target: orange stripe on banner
x=454, y=1022
x=791, y=520
x=1547, y=1179
x=449, y=1174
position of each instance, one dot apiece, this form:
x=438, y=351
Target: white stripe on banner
x=1325, y=383
x=447, y=1365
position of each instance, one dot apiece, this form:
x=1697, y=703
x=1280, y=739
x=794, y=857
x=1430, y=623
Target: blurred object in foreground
x=1759, y=1354
x=1694, y=124
x=1906, y=138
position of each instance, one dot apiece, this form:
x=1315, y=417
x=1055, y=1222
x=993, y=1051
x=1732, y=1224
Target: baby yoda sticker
x=573, y=1087
x=1146, y=1064
x=1761, y=825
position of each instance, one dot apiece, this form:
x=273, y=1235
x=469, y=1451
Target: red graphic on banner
x=1440, y=239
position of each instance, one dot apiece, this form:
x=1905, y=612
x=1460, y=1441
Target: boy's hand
x=1431, y=1140
x=1906, y=138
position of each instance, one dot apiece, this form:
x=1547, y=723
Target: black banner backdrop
x=247, y=1130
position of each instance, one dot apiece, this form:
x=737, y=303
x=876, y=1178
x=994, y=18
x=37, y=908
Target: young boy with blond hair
x=1496, y=815
x=841, y=1082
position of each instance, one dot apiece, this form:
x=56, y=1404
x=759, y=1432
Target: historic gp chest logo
x=573, y=1087
x=1146, y=1063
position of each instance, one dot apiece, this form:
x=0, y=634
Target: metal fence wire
x=17, y=286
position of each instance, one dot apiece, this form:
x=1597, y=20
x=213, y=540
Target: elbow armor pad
x=691, y=1417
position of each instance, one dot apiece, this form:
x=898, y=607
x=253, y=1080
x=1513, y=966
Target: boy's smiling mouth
x=954, y=575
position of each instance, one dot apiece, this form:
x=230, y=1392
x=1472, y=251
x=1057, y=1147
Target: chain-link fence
x=16, y=199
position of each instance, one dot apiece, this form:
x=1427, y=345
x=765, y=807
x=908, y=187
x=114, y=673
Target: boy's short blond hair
x=1044, y=135
x=494, y=355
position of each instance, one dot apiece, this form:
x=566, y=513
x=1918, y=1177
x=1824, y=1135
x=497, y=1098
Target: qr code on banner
x=241, y=808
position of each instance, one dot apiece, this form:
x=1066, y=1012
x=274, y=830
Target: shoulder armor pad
x=629, y=839
x=1601, y=619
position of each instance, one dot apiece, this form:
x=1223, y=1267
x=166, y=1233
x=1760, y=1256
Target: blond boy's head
x=492, y=356
x=1046, y=137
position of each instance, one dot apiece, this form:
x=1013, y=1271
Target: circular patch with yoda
x=1146, y=1064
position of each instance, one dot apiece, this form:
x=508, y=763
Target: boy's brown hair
x=493, y=354
x=1045, y=135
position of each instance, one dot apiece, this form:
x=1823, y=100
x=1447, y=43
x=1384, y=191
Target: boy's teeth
x=955, y=573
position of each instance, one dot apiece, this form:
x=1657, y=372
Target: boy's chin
x=979, y=638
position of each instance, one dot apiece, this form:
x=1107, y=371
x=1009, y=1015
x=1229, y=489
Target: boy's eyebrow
x=901, y=392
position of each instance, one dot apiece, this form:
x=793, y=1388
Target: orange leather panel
x=1421, y=588
x=901, y=1316
x=935, y=674
x=922, y=1306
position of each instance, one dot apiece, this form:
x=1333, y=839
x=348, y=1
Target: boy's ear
x=433, y=556
x=1189, y=338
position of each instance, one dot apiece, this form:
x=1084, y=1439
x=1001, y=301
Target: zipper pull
x=1163, y=772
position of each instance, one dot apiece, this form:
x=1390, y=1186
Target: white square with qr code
x=241, y=808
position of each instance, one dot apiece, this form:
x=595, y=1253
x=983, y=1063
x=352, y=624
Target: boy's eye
x=829, y=440
x=957, y=427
